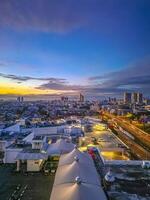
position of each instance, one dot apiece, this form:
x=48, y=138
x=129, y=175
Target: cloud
x=27, y=78
x=43, y=15
x=61, y=86
x=4, y=64
x=67, y=15
x=90, y=90
x=134, y=77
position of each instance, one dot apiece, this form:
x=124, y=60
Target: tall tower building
x=139, y=98
x=18, y=99
x=21, y=99
x=134, y=97
x=81, y=98
x=127, y=97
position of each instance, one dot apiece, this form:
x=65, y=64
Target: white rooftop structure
x=68, y=173
x=73, y=155
x=77, y=191
x=60, y=147
x=76, y=178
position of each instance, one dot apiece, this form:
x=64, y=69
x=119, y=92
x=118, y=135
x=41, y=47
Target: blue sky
x=84, y=42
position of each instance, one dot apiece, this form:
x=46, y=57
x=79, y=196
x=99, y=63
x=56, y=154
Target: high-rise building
x=81, y=98
x=63, y=98
x=20, y=99
x=134, y=97
x=139, y=98
x=127, y=97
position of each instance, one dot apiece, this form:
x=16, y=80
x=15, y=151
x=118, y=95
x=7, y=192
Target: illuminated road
x=134, y=147
x=142, y=136
x=141, y=150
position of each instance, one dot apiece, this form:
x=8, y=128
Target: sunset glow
x=98, y=49
x=14, y=89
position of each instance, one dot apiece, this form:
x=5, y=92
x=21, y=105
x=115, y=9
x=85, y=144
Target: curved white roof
x=68, y=173
x=75, y=153
x=75, y=191
x=60, y=147
x=76, y=178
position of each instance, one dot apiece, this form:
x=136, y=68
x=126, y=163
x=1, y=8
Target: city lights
x=75, y=100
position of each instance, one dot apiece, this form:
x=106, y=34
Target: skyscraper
x=127, y=97
x=20, y=99
x=81, y=98
x=139, y=98
x=134, y=97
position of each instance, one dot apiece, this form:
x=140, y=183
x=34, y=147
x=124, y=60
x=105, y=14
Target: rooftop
x=31, y=184
x=131, y=182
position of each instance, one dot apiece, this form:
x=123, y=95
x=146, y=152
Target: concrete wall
x=37, y=144
x=48, y=130
x=34, y=165
x=10, y=155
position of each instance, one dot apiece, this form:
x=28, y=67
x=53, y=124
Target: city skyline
x=98, y=48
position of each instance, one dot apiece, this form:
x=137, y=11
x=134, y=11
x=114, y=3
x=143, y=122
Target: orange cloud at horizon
x=24, y=90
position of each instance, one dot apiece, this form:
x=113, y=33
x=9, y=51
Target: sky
x=55, y=47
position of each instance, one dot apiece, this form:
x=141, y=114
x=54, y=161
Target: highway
x=143, y=137
x=141, y=145
x=135, y=148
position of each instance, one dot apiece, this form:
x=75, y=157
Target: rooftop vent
x=76, y=158
x=78, y=180
x=109, y=177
